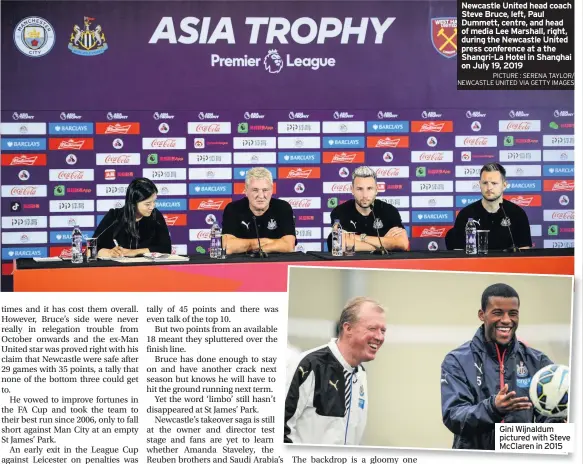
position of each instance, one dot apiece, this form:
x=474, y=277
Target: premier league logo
x=444, y=36
x=273, y=62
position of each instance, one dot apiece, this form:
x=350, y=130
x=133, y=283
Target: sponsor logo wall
x=72, y=163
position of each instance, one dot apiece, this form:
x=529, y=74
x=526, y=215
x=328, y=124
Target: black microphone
x=115, y=221
x=506, y=220
x=260, y=253
x=380, y=250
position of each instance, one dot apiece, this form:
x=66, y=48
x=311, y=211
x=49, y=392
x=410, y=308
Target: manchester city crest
x=87, y=41
x=34, y=36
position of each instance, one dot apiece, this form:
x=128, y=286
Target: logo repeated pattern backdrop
x=308, y=98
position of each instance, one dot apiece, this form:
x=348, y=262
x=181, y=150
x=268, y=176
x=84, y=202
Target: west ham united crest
x=444, y=36
x=87, y=42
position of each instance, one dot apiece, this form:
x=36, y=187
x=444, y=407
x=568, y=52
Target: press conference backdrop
x=194, y=94
x=422, y=327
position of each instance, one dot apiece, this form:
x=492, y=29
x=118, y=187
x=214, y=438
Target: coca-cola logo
x=300, y=202
x=476, y=141
x=71, y=175
x=564, y=215
x=208, y=128
x=27, y=191
x=163, y=143
x=121, y=159
x=431, y=157
x=388, y=172
x=340, y=188
x=203, y=235
x=518, y=126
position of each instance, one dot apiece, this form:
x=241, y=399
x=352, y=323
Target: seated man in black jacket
x=375, y=222
x=507, y=222
x=258, y=217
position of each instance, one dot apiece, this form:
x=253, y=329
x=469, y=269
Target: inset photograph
x=423, y=359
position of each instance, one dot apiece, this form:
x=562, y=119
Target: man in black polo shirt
x=368, y=217
x=507, y=222
x=259, y=215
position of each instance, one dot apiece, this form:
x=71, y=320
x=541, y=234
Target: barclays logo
x=23, y=144
x=64, y=236
x=432, y=216
x=71, y=128
x=240, y=173
x=534, y=185
x=210, y=189
x=344, y=142
x=559, y=171
x=463, y=201
x=298, y=157
x=387, y=127
x=171, y=204
x=15, y=253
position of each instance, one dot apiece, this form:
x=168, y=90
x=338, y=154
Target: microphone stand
x=259, y=253
x=514, y=248
x=381, y=250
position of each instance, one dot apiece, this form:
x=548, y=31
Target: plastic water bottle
x=471, y=232
x=337, y=238
x=215, y=248
x=77, y=245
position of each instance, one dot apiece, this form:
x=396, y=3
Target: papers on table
x=48, y=260
x=148, y=258
x=165, y=257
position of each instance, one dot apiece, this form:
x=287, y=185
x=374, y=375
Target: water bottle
x=77, y=245
x=471, y=232
x=215, y=248
x=337, y=238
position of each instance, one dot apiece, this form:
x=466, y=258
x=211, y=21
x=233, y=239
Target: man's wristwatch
x=363, y=237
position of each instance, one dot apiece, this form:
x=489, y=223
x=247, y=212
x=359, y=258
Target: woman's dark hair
x=140, y=189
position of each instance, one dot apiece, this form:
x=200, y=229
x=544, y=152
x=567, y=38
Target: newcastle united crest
x=444, y=36
x=87, y=42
